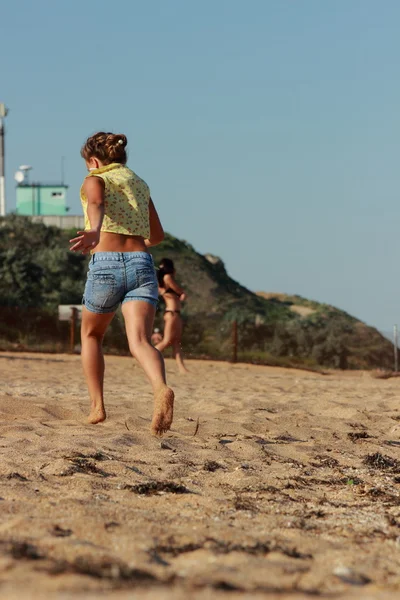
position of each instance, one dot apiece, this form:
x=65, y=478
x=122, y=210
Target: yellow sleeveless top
x=126, y=200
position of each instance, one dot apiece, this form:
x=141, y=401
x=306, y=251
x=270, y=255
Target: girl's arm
x=170, y=282
x=156, y=229
x=93, y=188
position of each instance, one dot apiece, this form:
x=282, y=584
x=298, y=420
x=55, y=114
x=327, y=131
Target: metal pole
x=2, y=172
x=74, y=316
x=395, y=347
x=235, y=341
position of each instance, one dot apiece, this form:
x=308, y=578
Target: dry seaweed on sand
x=157, y=487
x=82, y=464
x=382, y=462
x=212, y=466
x=354, y=436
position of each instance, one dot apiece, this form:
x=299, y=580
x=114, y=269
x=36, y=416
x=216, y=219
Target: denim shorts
x=116, y=277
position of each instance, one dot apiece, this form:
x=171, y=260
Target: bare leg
x=177, y=346
x=139, y=318
x=177, y=350
x=172, y=337
x=168, y=336
x=93, y=329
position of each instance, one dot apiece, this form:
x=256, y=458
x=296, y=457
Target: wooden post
x=74, y=316
x=234, y=341
x=395, y=348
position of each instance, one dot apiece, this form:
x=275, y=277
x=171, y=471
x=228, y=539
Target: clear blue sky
x=268, y=130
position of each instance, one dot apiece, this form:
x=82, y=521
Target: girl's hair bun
x=107, y=147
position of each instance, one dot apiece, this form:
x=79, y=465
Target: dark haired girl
x=173, y=296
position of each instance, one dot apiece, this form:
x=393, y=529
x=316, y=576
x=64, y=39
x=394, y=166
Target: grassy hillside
x=37, y=273
x=364, y=346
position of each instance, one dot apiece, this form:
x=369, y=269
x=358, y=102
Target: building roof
x=43, y=185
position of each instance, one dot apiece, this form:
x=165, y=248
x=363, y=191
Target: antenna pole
x=3, y=113
x=62, y=170
x=2, y=172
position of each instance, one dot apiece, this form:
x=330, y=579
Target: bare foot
x=183, y=370
x=163, y=410
x=97, y=415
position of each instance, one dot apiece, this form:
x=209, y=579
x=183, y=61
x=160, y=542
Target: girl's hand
x=182, y=297
x=86, y=241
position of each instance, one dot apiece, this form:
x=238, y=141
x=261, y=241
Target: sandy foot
x=163, y=410
x=97, y=415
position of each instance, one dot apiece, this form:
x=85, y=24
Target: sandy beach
x=272, y=483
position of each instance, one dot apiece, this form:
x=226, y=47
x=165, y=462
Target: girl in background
x=173, y=296
x=121, y=223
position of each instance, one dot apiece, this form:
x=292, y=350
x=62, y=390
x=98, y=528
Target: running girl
x=173, y=296
x=121, y=223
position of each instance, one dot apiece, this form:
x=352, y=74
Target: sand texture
x=271, y=484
